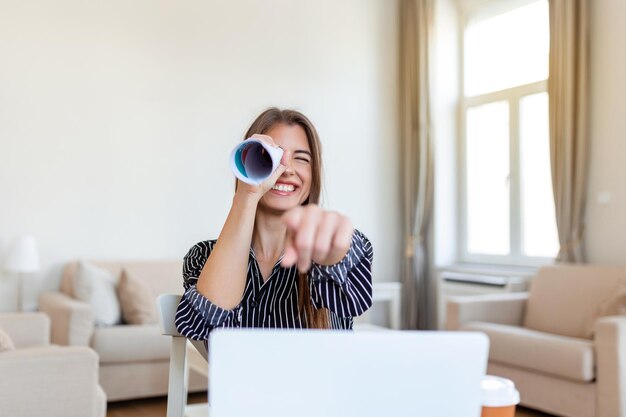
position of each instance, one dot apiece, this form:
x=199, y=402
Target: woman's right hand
x=257, y=191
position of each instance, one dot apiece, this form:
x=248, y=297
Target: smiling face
x=293, y=187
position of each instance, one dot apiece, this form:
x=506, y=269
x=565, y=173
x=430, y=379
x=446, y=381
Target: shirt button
x=253, y=304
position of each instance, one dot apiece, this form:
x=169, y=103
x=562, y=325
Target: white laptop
x=274, y=373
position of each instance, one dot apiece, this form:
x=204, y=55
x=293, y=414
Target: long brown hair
x=310, y=316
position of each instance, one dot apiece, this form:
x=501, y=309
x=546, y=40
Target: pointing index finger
x=293, y=218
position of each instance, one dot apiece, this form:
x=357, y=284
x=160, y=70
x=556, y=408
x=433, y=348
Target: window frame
x=470, y=12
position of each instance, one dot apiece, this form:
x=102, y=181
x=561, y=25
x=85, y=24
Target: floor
x=150, y=407
x=527, y=412
x=156, y=407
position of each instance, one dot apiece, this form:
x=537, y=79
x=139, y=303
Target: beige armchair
x=134, y=358
x=563, y=343
x=39, y=379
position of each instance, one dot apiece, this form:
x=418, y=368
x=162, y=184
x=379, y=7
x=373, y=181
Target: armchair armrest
x=493, y=308
x=610, y=341
x=72, y=320
x=52, y=381
x=26, y=329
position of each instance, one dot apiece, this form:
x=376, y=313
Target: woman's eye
x=302, y=159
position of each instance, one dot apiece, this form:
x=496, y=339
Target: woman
x=280, y=260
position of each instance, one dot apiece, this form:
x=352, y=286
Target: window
x=508, y=206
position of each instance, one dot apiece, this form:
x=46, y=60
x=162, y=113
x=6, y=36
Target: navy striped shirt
x=345, y=289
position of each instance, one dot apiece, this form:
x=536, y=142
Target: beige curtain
x=567, y=89
x=416, y=17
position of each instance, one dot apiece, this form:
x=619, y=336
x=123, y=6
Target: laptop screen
x=316, y=373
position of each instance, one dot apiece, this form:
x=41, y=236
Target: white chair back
x=178, y=377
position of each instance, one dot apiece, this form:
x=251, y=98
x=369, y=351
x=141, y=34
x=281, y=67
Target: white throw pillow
x=96, y=286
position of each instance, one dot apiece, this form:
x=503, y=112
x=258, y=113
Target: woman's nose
x=286, y=161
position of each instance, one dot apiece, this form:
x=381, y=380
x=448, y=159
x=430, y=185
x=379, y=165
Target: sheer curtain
x=569, y=146
x=416, y=19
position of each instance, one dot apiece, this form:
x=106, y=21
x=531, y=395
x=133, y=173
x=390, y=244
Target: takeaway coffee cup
x=499, y=397
x=253, y=161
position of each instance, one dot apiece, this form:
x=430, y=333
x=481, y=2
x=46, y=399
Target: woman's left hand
x=315, y=235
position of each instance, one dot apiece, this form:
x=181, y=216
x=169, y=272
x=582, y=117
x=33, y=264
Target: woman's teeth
x=283, y=187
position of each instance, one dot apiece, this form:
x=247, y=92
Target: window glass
x=507, y=50
x=539, y=235
x=488, y=179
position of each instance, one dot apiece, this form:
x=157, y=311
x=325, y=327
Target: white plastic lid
x=498, y=392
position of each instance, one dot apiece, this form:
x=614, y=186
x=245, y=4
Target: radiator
x=452, y=283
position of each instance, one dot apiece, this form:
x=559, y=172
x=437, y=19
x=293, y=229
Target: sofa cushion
x=71, y=269
x=96, y=286
x=136, y=300
x=160, y=276
x=568, y=299
x=561, y=356
x=130, y=343
x=6, y=343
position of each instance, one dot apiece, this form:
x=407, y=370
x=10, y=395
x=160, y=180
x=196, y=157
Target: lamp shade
x=22, y=256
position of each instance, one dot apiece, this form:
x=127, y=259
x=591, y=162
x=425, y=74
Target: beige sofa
x=134, y=359
x=39, y=379
x=563, y=343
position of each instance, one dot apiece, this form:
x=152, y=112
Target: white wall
x=116, y=119
x=606, y=223
x=445, y=93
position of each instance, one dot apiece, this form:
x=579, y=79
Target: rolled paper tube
x=253, y=161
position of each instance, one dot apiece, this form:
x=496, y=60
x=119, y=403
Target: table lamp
x=21, y=259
